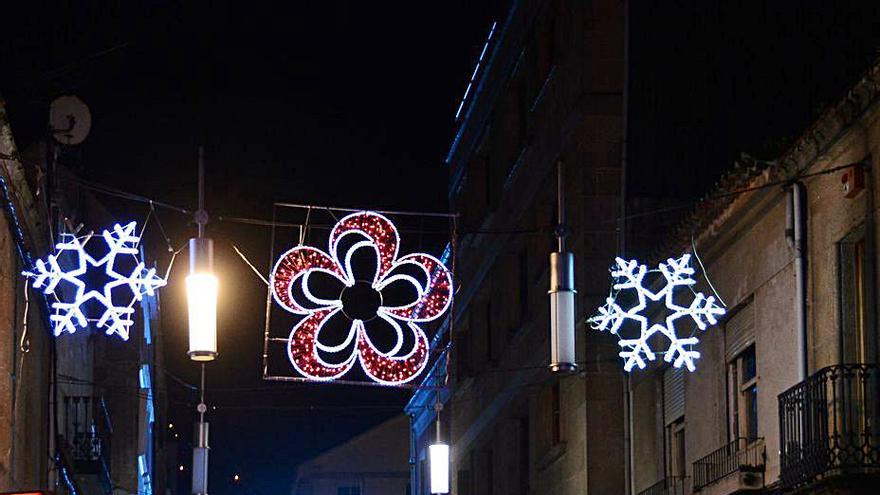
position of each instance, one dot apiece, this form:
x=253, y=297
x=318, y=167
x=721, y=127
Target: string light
x=630, y=276
x=69, y=310
x=433, y=297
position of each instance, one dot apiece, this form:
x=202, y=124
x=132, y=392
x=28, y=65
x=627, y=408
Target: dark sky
x=340, y=103
x=352, y=103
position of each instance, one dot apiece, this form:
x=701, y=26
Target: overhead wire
x=248, y=263
x=737, y=192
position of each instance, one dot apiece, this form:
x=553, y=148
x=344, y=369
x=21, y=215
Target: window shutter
x=739, y=332
x=673, y=395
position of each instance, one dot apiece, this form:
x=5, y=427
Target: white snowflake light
x=69, y=304
x=630, y=276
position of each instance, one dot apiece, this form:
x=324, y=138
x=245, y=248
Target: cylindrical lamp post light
x=438, y=455
x=201, y=293
x=562, y=292
x=562, y=309
x=438, y=458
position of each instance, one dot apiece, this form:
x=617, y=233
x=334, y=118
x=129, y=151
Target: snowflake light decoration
x=630, y=276
x=55, y=278
x=290, y=282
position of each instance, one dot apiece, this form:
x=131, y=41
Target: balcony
x=673, y=485
x=744, y=457
x=85, y=444
x=828, y=425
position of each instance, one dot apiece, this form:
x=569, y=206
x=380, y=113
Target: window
x=556, y=412
x=854, y=295
x=492, y=346
x=348, y=490
x=482, y=479
x=673, y=419
x=676, y=457
x=743, y=373
x=523, y=284
x=524, y=453
x=465, y=484
x=462, y=355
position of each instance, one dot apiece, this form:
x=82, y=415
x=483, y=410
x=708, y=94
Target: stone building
x=763, y=413
x=549, y=89
x=354, y=468
x=79, y=413
x=25, y=454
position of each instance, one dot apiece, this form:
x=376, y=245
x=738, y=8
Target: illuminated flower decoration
x=426, y=277
x=630, y=276
x=74, y=288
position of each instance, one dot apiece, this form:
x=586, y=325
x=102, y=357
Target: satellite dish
x=69, y=120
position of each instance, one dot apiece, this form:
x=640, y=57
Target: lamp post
x=201, y=292
x=562, y=303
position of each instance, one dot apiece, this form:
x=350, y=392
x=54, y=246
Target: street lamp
x=438, y=458
x=201, y=284
x=562, y=302
x=438, y=454
x=201, y=293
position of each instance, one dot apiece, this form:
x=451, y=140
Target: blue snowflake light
x=70, y=302
x=630, y=276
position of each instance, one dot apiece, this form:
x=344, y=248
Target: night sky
x=352, y=104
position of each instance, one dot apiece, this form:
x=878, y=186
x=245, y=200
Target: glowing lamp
x=438, y=456
x=562, y=309
x=201, y=293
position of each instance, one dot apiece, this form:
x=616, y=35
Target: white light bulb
x=201, y=293
x=438, y=456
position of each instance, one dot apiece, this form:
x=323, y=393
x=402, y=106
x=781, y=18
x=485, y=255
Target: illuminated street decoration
x=72, y=289
x=291, y=288
x=630, y=276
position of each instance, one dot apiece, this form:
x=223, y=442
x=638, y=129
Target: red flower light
x=394, y=367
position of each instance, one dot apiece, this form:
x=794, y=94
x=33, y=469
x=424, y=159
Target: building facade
x=548, y=90
x=786, y=395
x=25, y=336
x=79, y=413
x=354, y=468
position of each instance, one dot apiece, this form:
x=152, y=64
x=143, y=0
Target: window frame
x=741, y=422
x=856, y=289
x=676, y=449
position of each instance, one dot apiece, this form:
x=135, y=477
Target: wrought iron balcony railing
x=673, y=485
x=828, y=424
x=747, y=455
x=87, y=435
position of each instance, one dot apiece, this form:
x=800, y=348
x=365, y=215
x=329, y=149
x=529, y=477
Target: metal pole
x=628, y=454
x=560, y=206
x=201, y=215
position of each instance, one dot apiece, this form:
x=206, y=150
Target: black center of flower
x=360, y=301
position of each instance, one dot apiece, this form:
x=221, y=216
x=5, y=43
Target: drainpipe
x=798, y=223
